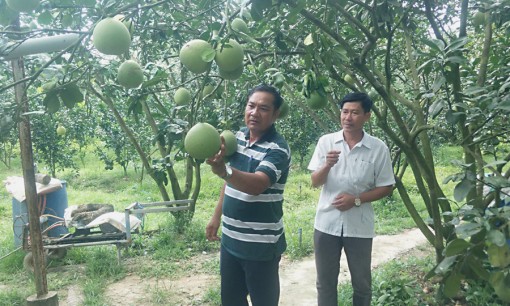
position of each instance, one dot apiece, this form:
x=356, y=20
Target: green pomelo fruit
x=202, y=141
x=208, y=89
x=128, y=23
x=316, y=101
x=192, y=55
x=479, y=19
x=230, y=142
x=348, y=79
x=130, y=74
x=70, y=95
x=49, y=86
x=239, y=25
x=61, y=131
x=501, y=284
x=229, y=57
x=232, y=75
x=22, y=5
x=284, y=110
x=182, y=96
x=499, y=256
x=111, y=37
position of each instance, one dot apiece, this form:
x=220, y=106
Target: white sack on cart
x=116, y=219
x=80, y=215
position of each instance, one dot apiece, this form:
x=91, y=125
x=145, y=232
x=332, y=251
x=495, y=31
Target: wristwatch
x=228, y=172
x=357, y=202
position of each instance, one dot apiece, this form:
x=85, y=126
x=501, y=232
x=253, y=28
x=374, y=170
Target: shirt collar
x=267, y=135
x=365, y=141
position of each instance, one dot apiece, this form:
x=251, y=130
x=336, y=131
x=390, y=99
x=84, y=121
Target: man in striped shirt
x=250, y=205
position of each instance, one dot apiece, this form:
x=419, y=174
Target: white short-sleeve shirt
x=366, y=166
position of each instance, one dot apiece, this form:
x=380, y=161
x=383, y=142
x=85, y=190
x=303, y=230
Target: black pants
x=241, y=277
x=358, y=251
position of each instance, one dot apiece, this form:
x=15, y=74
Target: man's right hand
x=332, y=158
x=211, y=230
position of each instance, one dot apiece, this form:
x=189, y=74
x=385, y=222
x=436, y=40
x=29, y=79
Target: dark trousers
x=241, y=277
x=358, y=251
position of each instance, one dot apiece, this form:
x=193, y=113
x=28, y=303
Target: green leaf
x=466, y=230
x=457, y=247
x=445, y=265
x=475, y=264
x=456, y=59
x=495, y=163
x=503, y=88
x=51, y=102
x=497, y=237
x=462, y=189
x=45, y=18
x=435, y=108
x=160, y=76
x=70, y=95
x=452, y=284
x=438, y=82
x=505, y=105
x=434, y=44
x=67, y=20
x=209, y=54
x=248, y=38
x=6, y=14
x=497, y=181
x=453, y=117
x=474, y=90
x=457, y=44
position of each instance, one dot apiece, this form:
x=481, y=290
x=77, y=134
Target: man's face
x=260, y=112
x=353, y=117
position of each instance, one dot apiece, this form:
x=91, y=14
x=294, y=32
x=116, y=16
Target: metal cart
x=57, y=247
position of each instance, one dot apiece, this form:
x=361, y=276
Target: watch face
x=357, y=202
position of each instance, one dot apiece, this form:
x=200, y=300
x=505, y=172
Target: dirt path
x=297, y=279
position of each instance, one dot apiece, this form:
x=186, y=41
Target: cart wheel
x=57, y=253
x=28, y=262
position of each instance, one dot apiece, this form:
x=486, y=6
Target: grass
x=161, y=246
x=402, y=282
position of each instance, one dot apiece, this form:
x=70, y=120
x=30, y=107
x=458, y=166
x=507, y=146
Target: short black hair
x=278, y=100
x=363, y=98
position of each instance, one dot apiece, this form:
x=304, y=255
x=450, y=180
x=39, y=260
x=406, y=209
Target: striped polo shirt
x=253, y=224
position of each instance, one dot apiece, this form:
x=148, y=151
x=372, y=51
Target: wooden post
x=27, y=162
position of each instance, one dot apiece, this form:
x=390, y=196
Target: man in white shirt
x=354, y=169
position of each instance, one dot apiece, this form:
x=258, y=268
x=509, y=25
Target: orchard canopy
x=437, y=70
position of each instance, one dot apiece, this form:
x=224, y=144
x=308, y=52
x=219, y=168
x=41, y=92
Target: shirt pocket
x=366, y=173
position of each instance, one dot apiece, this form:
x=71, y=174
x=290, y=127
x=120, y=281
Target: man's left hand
x=343, y=201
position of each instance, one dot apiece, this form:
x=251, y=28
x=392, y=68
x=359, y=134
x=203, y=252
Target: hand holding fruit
x=217, y=162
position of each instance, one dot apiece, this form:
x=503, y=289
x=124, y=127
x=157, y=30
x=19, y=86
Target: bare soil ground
x=297, y=279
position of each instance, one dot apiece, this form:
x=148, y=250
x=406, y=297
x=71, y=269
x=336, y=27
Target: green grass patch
x=13, y=297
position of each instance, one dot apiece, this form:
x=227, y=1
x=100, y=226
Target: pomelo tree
x=439, y=78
